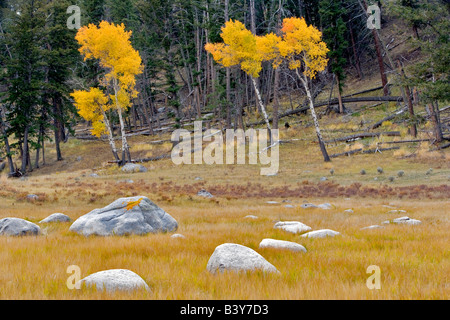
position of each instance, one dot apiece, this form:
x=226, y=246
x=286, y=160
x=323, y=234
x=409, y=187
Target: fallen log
x=332, y=102
x=348, y=153
x=364, y=135
x=388, y=118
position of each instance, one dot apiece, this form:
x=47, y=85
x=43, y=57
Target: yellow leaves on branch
x=110, y=44
x=91, y=105
x=301, y=47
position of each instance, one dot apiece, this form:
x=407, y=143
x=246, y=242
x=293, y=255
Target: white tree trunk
x=261, y=104
x=125, y=147
x=110, y=135
x=314, y=116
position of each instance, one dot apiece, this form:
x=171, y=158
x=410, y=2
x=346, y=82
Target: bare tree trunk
x=355, y=54
x=23, y=168
x=341, y=105
x=263, y=109
x=228, y=79
x=409, y=100
x=126, y=157
x=304, y=81
x=6, y=141
x=433, y=111
x=110, y=135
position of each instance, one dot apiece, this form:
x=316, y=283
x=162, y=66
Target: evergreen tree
x=334, y=35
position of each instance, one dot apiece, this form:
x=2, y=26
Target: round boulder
x=281, y=244
x=56, y=217
x=125, y=216
x=236, y=257
x=292, y=226
x=323, y=233
x=114, y=279
x=18, y=227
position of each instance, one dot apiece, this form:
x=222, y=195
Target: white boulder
x=323, y=233
x=114, y=279
x=292, y=226
x=56, y=217
x=281, y=244
x=236, y=257
x=18, y=227
x=134, y=215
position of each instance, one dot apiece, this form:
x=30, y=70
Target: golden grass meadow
x=414, y=261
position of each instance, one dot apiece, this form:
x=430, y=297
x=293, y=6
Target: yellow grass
x=414, y=260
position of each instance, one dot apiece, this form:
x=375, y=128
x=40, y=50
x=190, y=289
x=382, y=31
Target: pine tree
x=24, y=75
x=334, y=35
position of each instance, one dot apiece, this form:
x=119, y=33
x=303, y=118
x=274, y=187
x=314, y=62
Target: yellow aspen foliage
x=302, y=47
x=238, y=48
x=91, y=105
x=110, y=44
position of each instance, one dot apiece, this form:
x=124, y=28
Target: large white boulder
x=292, y=226
x=134, y=215
x=18, y=227
x=323, y=233
x=236, y=257
x=114, y=279
x=282, y=244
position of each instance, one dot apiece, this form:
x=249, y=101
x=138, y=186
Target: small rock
x=386, y=222
x=349, y=211
x=397, y=211
x=250, y=217
x=79, y=158
x=114, y=279
x=271, y=202
x=134, y=167
x=18, y=227
x=321, y=233
x=407, y=220
x=56, y=217
x=236, y=257
x=94, y=175
x=400, y=173
x=323, y=179
x=32, y=197
x=125, y=181
x=281, y=244
x=308, y=206
x=177, y=236
x=198, y=178
x=289, y=206
x=204, y=193
x=292, y=226
x=326, y=206
x=372, y=227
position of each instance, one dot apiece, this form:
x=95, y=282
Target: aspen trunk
x=110, y=135
x=326, y=157
x=125, y=147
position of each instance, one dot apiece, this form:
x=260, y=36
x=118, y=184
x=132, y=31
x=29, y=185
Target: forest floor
x=414, y=260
